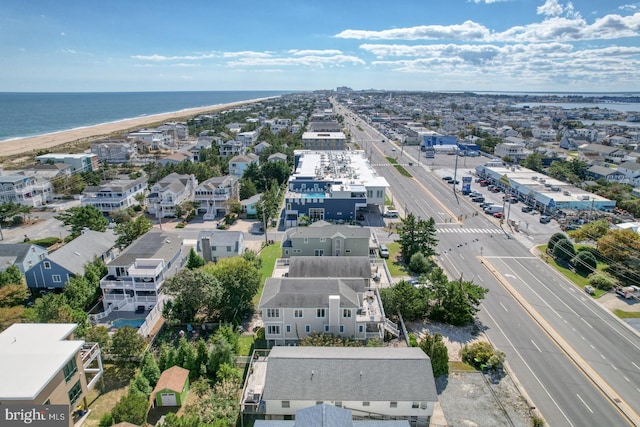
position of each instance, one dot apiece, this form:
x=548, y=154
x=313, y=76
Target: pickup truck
x=627, y=292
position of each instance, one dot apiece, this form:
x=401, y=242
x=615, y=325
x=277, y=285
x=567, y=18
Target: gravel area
x=470, y=399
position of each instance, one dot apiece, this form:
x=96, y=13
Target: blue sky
x=492, y=45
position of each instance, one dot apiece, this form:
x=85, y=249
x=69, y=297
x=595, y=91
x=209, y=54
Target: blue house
x=22, y=255
x=55, y=269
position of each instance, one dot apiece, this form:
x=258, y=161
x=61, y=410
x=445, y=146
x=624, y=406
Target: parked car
x=545, y=219
x=589, y=290
x=498, y=215
x=527, y=209
x=485, y=205
x=447, y=178
x=392, y=213
x=454, y=182
x=384, y=252
x=475, y=194
x=478, y=199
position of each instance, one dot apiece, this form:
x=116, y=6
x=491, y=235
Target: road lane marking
x=587, y=323
x=628, y=380
x=584, y=403
x=528, y=367
x=614, y=368
x=634, y=364
x=602, y=355
x=591, y=345
x=536, y=346
x=461, y=256
x=505, y=308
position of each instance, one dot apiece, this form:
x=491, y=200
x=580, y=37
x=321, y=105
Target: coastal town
x=409, y=258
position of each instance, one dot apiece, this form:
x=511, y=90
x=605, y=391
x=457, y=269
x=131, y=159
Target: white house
x=25, y=190
x=213, y=195
x=114, y=195
x=168, y=193
x=214, y=245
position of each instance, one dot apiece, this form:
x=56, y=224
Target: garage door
x=168, y=399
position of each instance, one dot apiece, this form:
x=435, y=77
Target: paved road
x=602, y=343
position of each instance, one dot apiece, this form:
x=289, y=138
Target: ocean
x=30, y=114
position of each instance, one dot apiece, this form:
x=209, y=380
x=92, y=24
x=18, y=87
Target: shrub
x=601, y=281
x=180, y=225
x=554, y=239
x=260, y=333
x=584, y=262
x=419, y=263
x=564, y=250
x=17, y=220
x=413, y=342
x=482, y=355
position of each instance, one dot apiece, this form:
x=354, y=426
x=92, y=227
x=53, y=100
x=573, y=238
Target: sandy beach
x=90, y=133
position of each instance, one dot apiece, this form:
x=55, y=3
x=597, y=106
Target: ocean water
x=31, y=114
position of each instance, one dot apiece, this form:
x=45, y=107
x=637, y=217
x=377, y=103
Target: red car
x=498, y=215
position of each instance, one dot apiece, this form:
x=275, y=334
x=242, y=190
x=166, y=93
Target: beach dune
x=91, y=133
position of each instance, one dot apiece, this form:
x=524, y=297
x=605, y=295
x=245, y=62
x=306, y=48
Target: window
x=360, y=329
x=366, y=403
x=307, y=328
x=229, y=249
x=323, y=239
x=75, y=393
x=346, y=312
x=70, y=369
x=297, y=251
x=288, y=328
x=318, y=252
x=286, y=404
x=320, y=312
x=273, y=312
x=319, y=402
x=341, y=329
x=273, y=329
x=393, y=404
x=415, y=405
x=347, y=251
x=297, y=313
x=306, y=240
x=213, y=248
x=326, y=328
x=47, y=265
x=56, y=278
x=338, y=404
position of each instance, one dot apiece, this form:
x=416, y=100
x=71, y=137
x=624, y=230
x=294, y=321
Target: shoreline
x=26, y=145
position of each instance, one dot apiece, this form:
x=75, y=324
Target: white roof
x=30, y=356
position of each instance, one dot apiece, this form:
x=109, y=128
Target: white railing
x=152, y=317
x=116, y=306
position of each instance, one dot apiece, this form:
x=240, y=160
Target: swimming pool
x=121, y=323
x=314, y=195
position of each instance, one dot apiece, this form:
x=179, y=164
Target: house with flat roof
x=323, y=141
x=328, y=415
x=55, y=269
x=332, y=186
x=42, y=363
x=324, y=239
x=114, y=195
x=79, y=162
x=135, y=277
x=372, y=382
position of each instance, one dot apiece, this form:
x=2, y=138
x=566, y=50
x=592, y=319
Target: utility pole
x=264, y=221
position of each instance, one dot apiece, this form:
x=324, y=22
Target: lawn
x=245, y=344
x=116, y=379
x=394, y=264
x=577, y=279
x=268, y=255
x=627, y=314
x=399, y=168
x=461, y=366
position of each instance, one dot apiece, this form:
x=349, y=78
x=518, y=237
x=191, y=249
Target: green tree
x=435, y=348
x=99, y=334
x=128, y=232
x=619, y=245
x=456, y=302
x=221, y=352
x=150, y=369
x=590, y=231
x=140, y=384
x=239, y=281
x=584, y=262
x=126, y=343
x=602, y=281
x=419, y=263
x=81, y=217
x=554, y=239
x=166, y=357
x=533, y=162
x=247, y=189
x=131, y=408
x=483, y=356
x=564, y=250
x=10, y=276
x=194, y=291
x=195, y=260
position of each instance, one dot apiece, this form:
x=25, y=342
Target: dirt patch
x=455, y=338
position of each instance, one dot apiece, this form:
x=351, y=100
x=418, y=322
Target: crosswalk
x=462, y=230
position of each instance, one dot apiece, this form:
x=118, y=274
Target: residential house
x=596, y=152
x=259, y=148
x=42, y=364
x=547, y=134
x=250, y=205
x=114, y=151
x=328, y=415
x=135, y=277
x=176, y=158
x=179, y=131
x=277, y=157
x=571, y=143
x=214, y=195
x=218, y=244
x=631, y=171
x=248, y=138
x=203, y=142
x=172, y=387
x=323, y=141
x=46, y=171
x=373, y=382
x=114, y=195
x=22, y=255
x=324, y=239
x=170, y=192
x=600, y=172
x=55, y=269
x=79, y=162
x=516, y=152
x=324, y=126
x=238, y=164
x=232, y=148
x=156, y=139
x=25, y=190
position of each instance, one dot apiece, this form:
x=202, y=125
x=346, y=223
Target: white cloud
x=309, y=61
x=159, y=58
x=315, y=52
x=629, y=7
x=246, y=53
x=71, y=51
x=551, y=29
x=62, y=34
x=183, y=64
x=486, y=1
x=550, y=8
